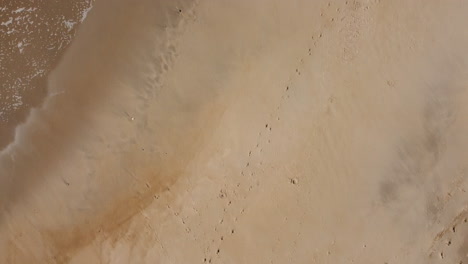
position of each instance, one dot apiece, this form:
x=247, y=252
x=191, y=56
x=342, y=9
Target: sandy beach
x=196, y=131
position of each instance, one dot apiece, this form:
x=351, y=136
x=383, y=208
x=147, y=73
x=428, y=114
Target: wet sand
x=33, y=37
x=247, y=132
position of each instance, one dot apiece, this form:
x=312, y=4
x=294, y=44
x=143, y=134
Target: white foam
x=6, y=23
x=18, y=101
x=19, y=10
x=20, y=46
x=86, y=11
x=69, y=24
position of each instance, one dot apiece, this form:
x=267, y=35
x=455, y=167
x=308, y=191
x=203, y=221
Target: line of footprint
x=255, y=153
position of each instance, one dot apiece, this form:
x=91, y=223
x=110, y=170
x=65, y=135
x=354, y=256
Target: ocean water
x=33, y=37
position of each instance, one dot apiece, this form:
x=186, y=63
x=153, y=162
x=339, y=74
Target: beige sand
x=247, y=132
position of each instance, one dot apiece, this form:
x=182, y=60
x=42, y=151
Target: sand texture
x=269, y=131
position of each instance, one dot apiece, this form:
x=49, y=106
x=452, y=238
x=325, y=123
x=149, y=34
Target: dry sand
x=247, y=132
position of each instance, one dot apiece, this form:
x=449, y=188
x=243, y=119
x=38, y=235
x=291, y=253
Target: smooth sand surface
x=247, y=132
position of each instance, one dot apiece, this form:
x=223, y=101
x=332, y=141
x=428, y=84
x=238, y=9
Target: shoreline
x=247, y=132
x=82, y=91
x=35, y=37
